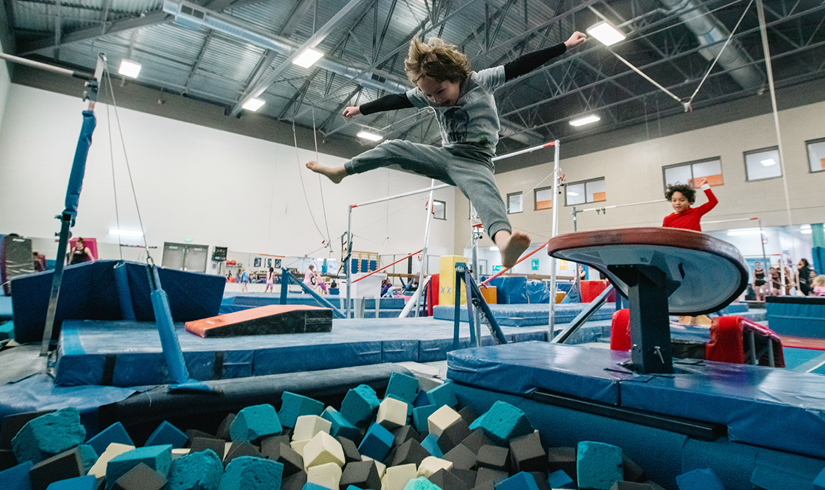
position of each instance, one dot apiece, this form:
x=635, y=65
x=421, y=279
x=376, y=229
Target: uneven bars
x=621, y=205
x=386, y=266
x=486, y=281
x=522, y=152
x=728, y=220
x=399, y=196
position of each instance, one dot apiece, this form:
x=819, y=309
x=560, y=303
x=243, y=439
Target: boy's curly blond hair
x=436, y=59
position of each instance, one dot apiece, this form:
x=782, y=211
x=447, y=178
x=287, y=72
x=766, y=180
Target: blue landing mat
x=528, y=315
x=129, y=353
x=772, y=408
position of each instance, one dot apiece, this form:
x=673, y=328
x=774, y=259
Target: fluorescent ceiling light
x=571, y=193
x=126, y=233
x=369, y=136
x=743, y=232
x=584, y=120
x=494, y=249
x=129, y=68
x=768, y=162
x=804, y=227
x=253, y=104
x=308, y=58
x=605, y=32
x=806, y=231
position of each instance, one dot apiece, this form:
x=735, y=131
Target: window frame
x=808, y=153
x=761, y=150
x=443, y=203
x=691, y=164
x=585, y=182
x=536, y=200
x=518, y=193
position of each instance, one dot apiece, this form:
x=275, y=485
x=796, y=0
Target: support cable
x=114, y=182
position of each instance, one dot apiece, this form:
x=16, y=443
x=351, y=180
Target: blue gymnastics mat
x=529, y=315
x=122, y=353
x=5, y=308
x=773, y=408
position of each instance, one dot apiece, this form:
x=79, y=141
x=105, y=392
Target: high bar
x=621, y=205
x=728, y=220
x=522, y=152
x=399, y=196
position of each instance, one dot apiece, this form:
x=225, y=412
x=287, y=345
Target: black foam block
x=562, y=458
x=272, y=444
x=494, y=457
x=468, y=415
x=13, y=423
x=241, y=449
x=409, y=452
x=265, y=320
x=626, y=485
x=461, y=457
x=453, y=435
x=351, y=452
x=203, y=443
x=527, y=454
x=284, y=454
x=223, y=429
x=476, y=439
x=485, y=485
x=361, y=474
x=7, y=459
x=294, y=482
x=403, y=434
x=490, y=475
x=541, y=481
x=632, y=471
x=468, y=476
x=67, y=464
x=447, y=481
x=193, y=433
x=141, y=477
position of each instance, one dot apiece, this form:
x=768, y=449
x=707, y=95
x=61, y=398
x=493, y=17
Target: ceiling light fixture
x=308, y=58
x=369, y=136
x=585, y=120
x=129, y=68
x=606, y=32
x=254, y=104
x=768, y=162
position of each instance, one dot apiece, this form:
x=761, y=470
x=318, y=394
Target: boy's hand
x=351, y=111
x=576, y=39
x=703, y=182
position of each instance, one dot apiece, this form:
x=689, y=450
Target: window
x=439, y=210
x=691, y=173
x=586, y=191
x=816, y=154
x=762, y=164
x=543, y=198
x=514, y=201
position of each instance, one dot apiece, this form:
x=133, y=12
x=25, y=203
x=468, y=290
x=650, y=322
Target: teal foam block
x=360, y=405
x=819, y=481
x=250, y=473
x=421, y=399
x=197, y=471
x=430, y=443
x=253, y=423
x=503, y=422
x=159, y=458
x=49, y=435
x=421, y=483
x=340, y=425
x=17, y=477
x=294, y=406
x=404, y=386
x=167, y=433
x=88, y=456
x=420, y=416
x=7, y=331
x=114, y=433
x=442, y=395
x=598, y=465
x=315, y=486
x=560, y=479
x=88, y=482
x=519, y=481
x=704, y=479
x=376, y=443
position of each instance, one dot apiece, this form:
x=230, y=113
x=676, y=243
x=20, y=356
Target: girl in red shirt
x=681, y=197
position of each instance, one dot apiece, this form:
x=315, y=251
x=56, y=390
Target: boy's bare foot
x=513, y=249
x=335, y=174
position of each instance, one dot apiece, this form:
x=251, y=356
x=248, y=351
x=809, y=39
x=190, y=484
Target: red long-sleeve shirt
x=690, y=217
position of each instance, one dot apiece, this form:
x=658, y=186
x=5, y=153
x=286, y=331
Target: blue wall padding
x=699, y=480
x=196, y=471
x=255, y=422
x=538, y=292
x=251, y=473
x=84, y=141
x=88, y=482
x=359, y=405
x=528, y=315
x=167, y=433
x=819, y=481
x=124, y=295
x=294, y=405
x=442, y=395
x=114, y=433
x=519, y=481
x=559, y=479
x=797, y=317
x=89, y=292
x=376, y=443
x=159, y=458
x=404, y=386
x=17, y=477
x=237, y=299
x=819, y=258
x=503, y=422
x=420, y=416
x=430, y=443
x=6, y=311
x=510, y=290
x=340, y=426
x=49, y=435
x=598, y=465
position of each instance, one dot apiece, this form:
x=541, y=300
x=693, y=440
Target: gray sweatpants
x=473, y=176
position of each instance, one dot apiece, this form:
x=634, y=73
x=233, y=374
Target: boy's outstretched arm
x=391, y=102
x=530, y=61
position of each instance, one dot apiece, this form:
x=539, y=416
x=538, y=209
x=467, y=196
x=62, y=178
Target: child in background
x=270, y=281
x=681, y=197
x=819, y=285
x=465, y=108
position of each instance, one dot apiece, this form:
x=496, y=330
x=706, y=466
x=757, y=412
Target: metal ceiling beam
x=197, y=62
x=317, y=38
x=294, y=18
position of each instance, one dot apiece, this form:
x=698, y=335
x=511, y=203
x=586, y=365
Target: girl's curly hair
x=684, y=189
x=436, y=59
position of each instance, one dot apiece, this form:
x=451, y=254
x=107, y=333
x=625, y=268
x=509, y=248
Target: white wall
x=218, y=188
x=633, y=173
x=5, y=83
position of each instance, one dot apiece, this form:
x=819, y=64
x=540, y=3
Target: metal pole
x=57, y=280
x=348, y=260
x=476, y=320
x=765, y=265
x=554, y=232
x=424, y=250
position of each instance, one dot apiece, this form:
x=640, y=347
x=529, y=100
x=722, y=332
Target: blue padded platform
x=6, y=312
x=528, y=315
x=90, y=291
x=797, y=316
x=135, y=356
x=767, y=407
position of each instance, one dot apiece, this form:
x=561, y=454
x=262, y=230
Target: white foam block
x=392, y=413
x=298, y=446
x=177, y=453
x=398, y=476
x=431, y=464
x=114, y=449
x=382, y=468
x=307, y=426
x=441, y=419
x=322, y=449
x=327, y=475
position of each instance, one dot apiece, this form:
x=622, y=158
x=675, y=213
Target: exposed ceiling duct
x=710, y=31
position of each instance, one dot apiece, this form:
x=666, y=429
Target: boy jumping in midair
x=468, y=119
